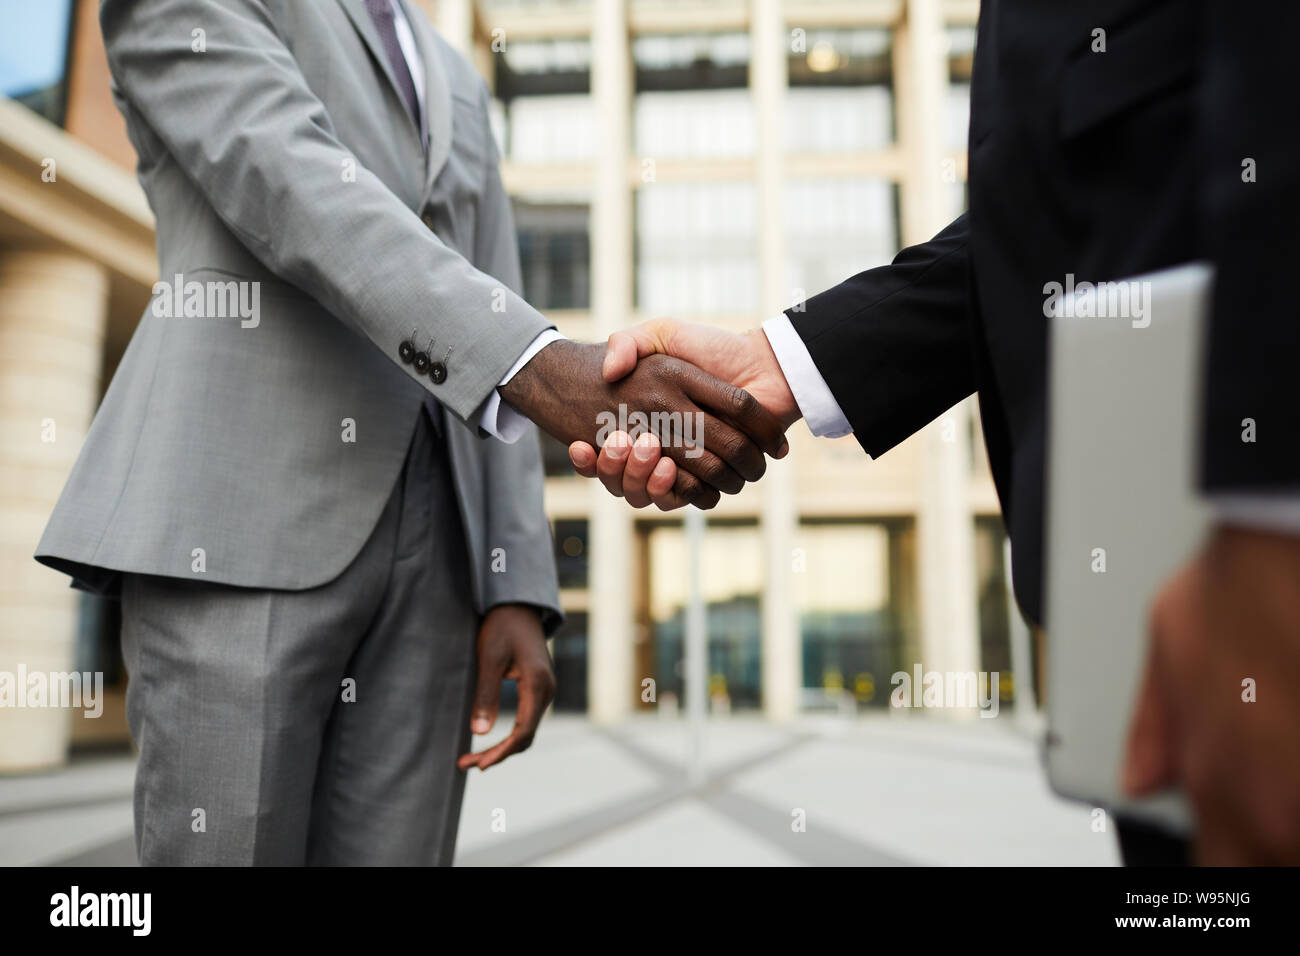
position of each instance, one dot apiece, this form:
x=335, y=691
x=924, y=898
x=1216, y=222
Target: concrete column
x=455, y=21
x=611, y=683
x=945, y=524
x=53, y=311
x=782, y=661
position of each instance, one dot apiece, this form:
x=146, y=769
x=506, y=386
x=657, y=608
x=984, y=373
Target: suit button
x=427, y=218
x=438, y=372
x=406, y=352
x=421, y=362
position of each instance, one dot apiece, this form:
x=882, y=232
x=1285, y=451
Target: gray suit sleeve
x=517, y=524
x=513, y=476
x=243, y=124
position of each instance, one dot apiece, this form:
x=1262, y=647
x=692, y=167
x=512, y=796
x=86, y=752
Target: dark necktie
x=381, y=12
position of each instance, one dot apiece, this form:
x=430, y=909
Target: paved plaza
x=888, y=790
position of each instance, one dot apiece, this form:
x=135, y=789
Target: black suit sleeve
x=893, y=343
x=1247, y=111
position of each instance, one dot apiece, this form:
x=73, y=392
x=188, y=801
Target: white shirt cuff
x=823, y=414
x=500, y=420
x=1263, y=512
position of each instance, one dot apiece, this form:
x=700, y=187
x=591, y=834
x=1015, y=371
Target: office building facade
x=714, y=161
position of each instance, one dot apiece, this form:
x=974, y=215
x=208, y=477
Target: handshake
x=697, y=409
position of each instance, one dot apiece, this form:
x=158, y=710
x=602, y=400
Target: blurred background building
x=715, y=161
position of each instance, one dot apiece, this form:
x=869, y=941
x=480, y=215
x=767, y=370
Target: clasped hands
x=665, y=375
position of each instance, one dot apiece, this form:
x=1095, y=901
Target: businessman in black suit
x=1104, y=142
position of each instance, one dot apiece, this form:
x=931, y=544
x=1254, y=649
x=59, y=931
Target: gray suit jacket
x=275, y=149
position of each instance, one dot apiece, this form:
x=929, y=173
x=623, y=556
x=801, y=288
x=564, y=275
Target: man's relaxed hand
x=511, y=646
x=1217, y=712
x=743, y=359
x=563, y=391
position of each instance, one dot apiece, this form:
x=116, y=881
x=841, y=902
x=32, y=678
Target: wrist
x=532, y=388
x=522, y=615
x=561, y=390
x=769, y=383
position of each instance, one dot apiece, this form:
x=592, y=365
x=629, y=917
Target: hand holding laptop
x=1217, y=712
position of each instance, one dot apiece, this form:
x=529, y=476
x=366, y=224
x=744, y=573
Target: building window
x=731, y=583
x=555, y=254
x=691, y=61
x=34, y=55
x=542, y=111
x=693, y=124
x=550, y=129
x=961, y=59
x=569, y=645
x=836, y=229
x=824, y=120
x=569, y=650
x=842, y=57
x=854, y=582
x=571, y=560
x=841, y=95
x=695, y=249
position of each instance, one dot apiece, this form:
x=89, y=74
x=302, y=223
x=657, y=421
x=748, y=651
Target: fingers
x=688, y=438
x=713, y=471
x=640, y=466
x=1149, y=761
x=742, y=411
x=637, y=472
x=651, y=480
x=657, y=480
x=613, y=459
x=536, y=688
x=689, y=490
x=662, y=484
x=583, y=457
x=494, y=754
x=707, y=447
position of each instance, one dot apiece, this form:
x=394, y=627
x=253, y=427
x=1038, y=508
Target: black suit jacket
x=1104, y=165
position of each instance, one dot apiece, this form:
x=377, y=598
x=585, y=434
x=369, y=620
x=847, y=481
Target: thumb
x=625, y=347
x=487, y=699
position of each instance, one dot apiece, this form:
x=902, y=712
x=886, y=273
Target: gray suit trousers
x=314, y=727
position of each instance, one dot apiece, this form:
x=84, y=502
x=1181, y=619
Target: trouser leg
x=251, y=750
x=389, y=792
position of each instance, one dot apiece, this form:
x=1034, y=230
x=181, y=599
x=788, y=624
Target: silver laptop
x=1122, y=511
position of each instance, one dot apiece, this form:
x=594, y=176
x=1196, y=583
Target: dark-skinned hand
x=563, y=390
x=511, y=646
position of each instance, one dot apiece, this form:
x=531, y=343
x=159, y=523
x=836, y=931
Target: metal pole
x=696, y=650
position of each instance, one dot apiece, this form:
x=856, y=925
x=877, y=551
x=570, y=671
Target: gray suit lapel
x=360, y=17
x=437, y=94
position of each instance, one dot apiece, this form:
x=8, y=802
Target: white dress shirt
x=498, y=418
x=825, y=418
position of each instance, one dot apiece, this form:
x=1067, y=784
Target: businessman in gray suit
x=310, y=504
